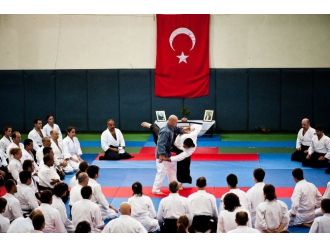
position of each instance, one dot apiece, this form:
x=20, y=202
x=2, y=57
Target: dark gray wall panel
x=322, y=98
x=135, y=98
x=169, y=105
x=231, y=99
x=197, y=106
x=296, y=97
x=71, y=99
x=264, y=98
x=39, y=95
x=103, y=98
x=12, y=99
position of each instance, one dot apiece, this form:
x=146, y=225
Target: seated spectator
x=51, y=125
x=25, y=194
x=61, y=191
x=272, y=214
x=113, y=143
x=108, y=212
x=16, y=137
x=15, y=165
x=82, y=168
x=183, y=224
x=83, y=227
x=13, y=208
x=23, y=225
x=86, y=210
x=42, y=152
x=48, y=176
x=38, y=222
x=241, y=220
x=75, y=192
x=203, y=208
x=171, y=208
x=143, y=209
x=305, y=199
x=125, y=223
x=326, y=195
x=53, y=222
x=36, y=134
x=227, y=216
x=6, y=140
x=232, y=182
x=322, y=224
x=71, y=148
x=4, y=222
x=256, y=192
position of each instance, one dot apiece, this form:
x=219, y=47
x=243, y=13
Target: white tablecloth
x=205, y=128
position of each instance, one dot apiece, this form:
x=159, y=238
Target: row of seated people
x=312, y=146
x=258, y=209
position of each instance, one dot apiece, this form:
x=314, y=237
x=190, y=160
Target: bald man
x=163, y=152
x=304, y=140
x=125, y=223
x=113, y=143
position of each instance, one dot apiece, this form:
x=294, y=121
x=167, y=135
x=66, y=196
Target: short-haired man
x=305, y=199
x=322, y=223
x=242, y=219
x=36, y=134
x=203, y=208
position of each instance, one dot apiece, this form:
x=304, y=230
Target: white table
x=206, y=125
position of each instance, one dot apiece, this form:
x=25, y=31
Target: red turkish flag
x=182, y=62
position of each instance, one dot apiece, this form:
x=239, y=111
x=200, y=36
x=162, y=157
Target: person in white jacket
x=51, y=125
x=256, y=192
x=304, y=140
x=15, y=165
x=53, y=221
x=16, y=137
x=6, y=139
x=36, y=134
x=322, y=224
x=143, y=209
x=71, y=148
x=305, y=199
x=272, y=215
x=241, y=220
x=326, y=195
x=125, y=223
x=108, y=212
x=113, y=143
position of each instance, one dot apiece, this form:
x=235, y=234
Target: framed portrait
x=160, y=115
x=208, y=115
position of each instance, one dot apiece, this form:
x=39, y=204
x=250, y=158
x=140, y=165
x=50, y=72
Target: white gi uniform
x=11, y=146
x=86, y=210
x=202, y=203
x=271, y=214
x=3, y=159
x=244, y=229
x=15, y=167
x=172, y=207
x=47, y=129
x=143, y=210
x=73, y=181
x=36, y=138
x=243, y=199
x=226, y=220
x=4, y=224
x=256, y=196
x=326, y=195
x=58, y=204
x=193, y=135
x=13, y=208
x=321, y=224
x=4, y=143
x=75, y=194
x=71, y=149
x=40, y=156
x=306, y=139
x=53, y=222
x=59, y=157
x=26, y=197
x=305, y=199
x=29, y=156
x=99, y=198
x=46, y=174
x=320, y=146
x=124, y=224
x=107, y=139
x=21, y=225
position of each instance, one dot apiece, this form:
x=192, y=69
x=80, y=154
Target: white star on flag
x=182, y=58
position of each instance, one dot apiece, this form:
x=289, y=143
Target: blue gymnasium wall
x=243, y=99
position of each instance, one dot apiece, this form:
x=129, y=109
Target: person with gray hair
x=163, y=151
x=125, y=223
x=75, y=192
